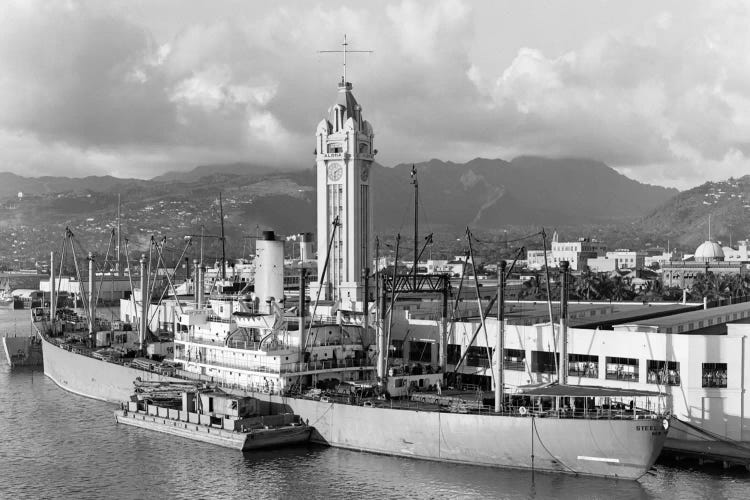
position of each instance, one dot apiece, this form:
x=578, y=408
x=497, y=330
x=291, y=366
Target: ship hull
x=91, y=377
x=624, y=449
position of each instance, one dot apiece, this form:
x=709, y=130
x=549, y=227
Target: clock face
x=365, y=173
x=335, y=171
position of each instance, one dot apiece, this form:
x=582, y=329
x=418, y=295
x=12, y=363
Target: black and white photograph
x=416, y=249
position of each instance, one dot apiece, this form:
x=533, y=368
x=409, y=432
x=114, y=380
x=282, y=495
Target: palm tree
x=621, y=290
x=671, y=294
x=585, y=285
x=705, y=286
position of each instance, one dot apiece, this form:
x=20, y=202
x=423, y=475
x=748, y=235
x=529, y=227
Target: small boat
x=22, y=351
x=7, y=301
x=210, y=416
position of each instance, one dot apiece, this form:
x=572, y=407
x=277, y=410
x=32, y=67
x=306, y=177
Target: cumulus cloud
x=663, y=99
x=96, y=88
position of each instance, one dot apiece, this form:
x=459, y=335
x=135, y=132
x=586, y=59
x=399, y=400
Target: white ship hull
x=92, y=377
x=615, y=448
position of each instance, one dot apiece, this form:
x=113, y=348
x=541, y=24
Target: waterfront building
x=109, y=288
x=697, y=357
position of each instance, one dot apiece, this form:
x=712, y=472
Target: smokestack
x=269, y=270
x=306, y=247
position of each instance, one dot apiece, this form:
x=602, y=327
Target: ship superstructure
x=251, y=341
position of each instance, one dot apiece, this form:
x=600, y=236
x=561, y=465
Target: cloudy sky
x=659, y=90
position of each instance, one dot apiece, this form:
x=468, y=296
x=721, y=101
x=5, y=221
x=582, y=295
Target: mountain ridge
x=485, y=194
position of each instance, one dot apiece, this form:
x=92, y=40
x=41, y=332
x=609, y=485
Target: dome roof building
x=709, y=251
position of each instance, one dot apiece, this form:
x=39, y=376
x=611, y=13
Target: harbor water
x=59, y=445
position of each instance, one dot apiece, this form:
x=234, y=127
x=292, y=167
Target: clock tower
x=344, y=154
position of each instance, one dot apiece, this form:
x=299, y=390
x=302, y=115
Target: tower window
x=335, y=148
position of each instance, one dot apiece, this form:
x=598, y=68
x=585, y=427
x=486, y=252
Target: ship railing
x=328, y=364
x=601, y=412
x=320, y=319
x=476, y=407
x=258, y=346
x=185, y=337
x=234, y=344
x=217, y=319
x=237, y=365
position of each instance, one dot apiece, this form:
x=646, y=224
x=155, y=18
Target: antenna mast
x=345, y=52
x=223, y=239
x=117, y=249
x=416, y=221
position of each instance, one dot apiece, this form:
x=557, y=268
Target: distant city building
x=535, y=258
x=737, y=255
x=628, y=259
x=661, y=258
x=617, y=259
x=708, y=257
x=437, y=266
x=602, y=264
x=709, y=251
x=577, y=253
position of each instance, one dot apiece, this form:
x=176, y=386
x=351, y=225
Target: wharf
x=706, y=447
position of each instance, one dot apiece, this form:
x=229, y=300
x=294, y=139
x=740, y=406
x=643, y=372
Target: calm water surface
x=58, y=445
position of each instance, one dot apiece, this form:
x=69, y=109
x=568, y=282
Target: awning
x=583, y=391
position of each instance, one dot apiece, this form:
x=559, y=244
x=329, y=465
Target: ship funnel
x=269, y=270
x=306, y=247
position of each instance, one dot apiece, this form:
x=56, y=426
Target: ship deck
x=513, y=406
